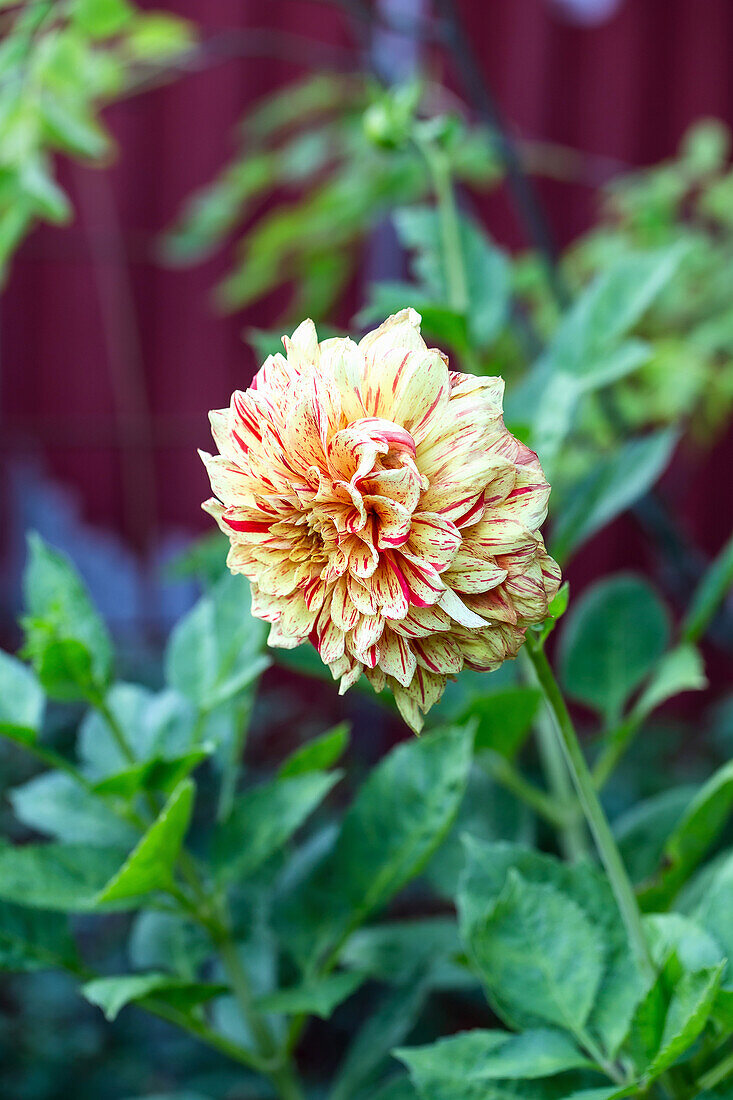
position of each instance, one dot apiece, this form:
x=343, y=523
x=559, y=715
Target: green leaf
x=40, y=187
x=714, y=911
x=156, y=774
x=168, y=941
x=70, y=127
x=157, y=35
x=642, y=831
x=667, y=1024
x=614, y=484
x=317, y=998
x=395, y=951
x=439, y=322
x=486, y=876
x=691, y=838
x=505, y=718
x=487, y=269
x=33, y=940
x=672, y=933
x=613, y=637
x=318, y=754
x=395, y=823
x=538, y=955
x=101, y=18
x=55, y=804
x=443, y=1070
x=65, y=637
x=264, y=818
x=112, y=994
x=60, y=877
x=214, y=652
x=681, y=669
x=150, y=864
x=156, y=727
x=608, y=309
x=21, y=699
x=584, y=354
x=385, y=1028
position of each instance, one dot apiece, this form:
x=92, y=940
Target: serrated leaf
x=487, y=867
x=668, y=1023
x=112, y=994
x=395, y=823
x=538, y=955
x=442, y=1070
x=714, y=911
x=21, y=699
x=317, y=754
x=150, y=864
x=263, y=819
x=317, y=998
x=67, y=640
x=55, y=804
x=613, y=637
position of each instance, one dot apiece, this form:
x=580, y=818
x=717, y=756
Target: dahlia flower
x=381, y=509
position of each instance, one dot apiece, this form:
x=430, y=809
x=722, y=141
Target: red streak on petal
x=245, y=525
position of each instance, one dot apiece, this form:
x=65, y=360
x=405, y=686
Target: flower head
x=381, y=509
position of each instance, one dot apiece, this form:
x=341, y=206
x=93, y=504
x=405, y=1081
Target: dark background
x=109, y=360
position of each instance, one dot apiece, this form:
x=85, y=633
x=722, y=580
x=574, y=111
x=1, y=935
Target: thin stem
x=596, y=818
x=501, y=769
x=120, y=739
x=450, y=229
x=278, y=1068
x=709, y=595
x=571, y=834
x=715, y=1075
x=205, y=1033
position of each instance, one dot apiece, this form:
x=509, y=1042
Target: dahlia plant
x=498, y=909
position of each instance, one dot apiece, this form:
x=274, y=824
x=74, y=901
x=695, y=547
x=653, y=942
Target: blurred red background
x=109, y=360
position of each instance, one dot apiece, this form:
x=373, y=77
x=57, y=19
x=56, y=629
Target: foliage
x=59, y=64
x=154, y=861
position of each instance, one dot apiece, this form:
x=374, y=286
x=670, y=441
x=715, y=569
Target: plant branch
x=596, y=818
x=520, y=186
x=715, y=1075
x=502, y=771
x=709, y=595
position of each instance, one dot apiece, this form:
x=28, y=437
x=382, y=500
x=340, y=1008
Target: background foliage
x=428, y=921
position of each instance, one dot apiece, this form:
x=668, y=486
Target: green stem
x=596, y=818
x=571, y=834
x=710, y=593
x=501, y=769
x=120, y=739
x=278, y=1068
x=450, y=229
x=715, y=1075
